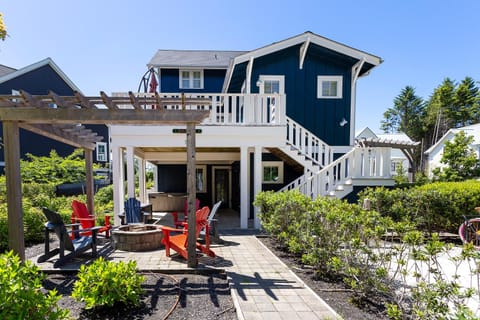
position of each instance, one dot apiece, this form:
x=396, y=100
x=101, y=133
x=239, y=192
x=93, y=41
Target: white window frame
x=337, y=79
x=101, y=156
x=263, y=78
x=277, y=164
x=190, y=78
x=203, y=189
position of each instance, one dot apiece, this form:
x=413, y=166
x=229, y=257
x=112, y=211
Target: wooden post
x=89, y=180
x=191, y=191
x=11, y=136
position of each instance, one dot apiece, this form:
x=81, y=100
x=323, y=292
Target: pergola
x=406, y=147
x=62, y=118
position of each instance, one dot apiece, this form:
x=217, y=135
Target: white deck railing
x=358, y=163
x=229, y=108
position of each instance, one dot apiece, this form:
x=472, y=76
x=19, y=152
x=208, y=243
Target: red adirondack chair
x=179, y=222
x=179, y=241
x=81, y=215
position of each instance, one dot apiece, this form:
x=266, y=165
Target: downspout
x=357, y=67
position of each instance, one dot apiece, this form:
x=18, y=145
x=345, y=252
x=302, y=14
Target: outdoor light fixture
x=343, y=122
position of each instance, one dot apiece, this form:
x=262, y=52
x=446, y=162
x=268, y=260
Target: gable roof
x=313, y=38
x=209, y=59
x=4, y=70
x=471, y=130
x=37, y=65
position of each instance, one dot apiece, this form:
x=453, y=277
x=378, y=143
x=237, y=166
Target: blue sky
x=105, y=45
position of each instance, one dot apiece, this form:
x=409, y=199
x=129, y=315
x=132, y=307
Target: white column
x=257, y=182
x=155, y=177
x=386, y=161
x=130, y=172
x=244, y=190
x=141, y=181
x=118, y=178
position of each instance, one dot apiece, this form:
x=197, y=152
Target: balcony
x=226, y=109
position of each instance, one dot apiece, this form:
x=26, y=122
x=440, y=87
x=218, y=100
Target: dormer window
x=329, y=87
x=191, y=79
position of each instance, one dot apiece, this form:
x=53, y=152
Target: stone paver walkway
x=263, y=287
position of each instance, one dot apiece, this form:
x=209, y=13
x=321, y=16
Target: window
x=272, y=172
x=200, y=178
x=191, y=79
x=329, y=87
x=271, y=84
x=101, y=151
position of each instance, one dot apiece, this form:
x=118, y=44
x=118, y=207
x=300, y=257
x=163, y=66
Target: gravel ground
x=167, y=296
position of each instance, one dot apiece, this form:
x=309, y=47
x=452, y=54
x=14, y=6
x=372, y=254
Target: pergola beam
x=101, y=116
x=58, y=117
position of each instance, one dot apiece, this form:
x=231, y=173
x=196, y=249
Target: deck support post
x=130, y=172
x=192, y=195
x=257, y=182
x=244, y=189
x=16, y=238
x=118, y=179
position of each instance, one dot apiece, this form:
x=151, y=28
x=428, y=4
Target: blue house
x=39, y=79
x=281, y=117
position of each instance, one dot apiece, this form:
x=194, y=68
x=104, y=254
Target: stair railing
x=308, y=144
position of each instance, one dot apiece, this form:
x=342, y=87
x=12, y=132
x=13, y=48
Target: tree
x=405, y=115
x=466, y=104
x=437, y=120
x=3, y=28
x=460, y=159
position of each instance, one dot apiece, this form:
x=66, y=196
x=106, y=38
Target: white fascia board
x=228, y=76
x=37, y=65
x=315, y=39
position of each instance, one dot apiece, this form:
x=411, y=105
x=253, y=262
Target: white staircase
x=325, y=177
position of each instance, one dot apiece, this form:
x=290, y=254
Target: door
x=222, y=186
x=271, y=85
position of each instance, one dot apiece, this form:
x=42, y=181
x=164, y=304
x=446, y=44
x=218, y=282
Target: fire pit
x=143, y=237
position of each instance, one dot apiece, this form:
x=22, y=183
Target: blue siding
x=39, y=82
x=212, y=81
x=321, y=116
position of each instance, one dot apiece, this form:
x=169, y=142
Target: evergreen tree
x=437, y=121
x=406, y=115
x=466, y=104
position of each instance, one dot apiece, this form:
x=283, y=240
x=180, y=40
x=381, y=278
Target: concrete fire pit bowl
x=137, y=237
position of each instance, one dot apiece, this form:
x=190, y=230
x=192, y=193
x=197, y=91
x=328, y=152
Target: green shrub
x=104, y=283
x=438, y=206
x=21, y=296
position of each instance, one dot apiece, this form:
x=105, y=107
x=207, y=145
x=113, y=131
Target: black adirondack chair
x=75, y=246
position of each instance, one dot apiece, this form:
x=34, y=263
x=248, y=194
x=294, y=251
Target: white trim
x=315, y=39
x=191, y=78
x=273, y=164
x=249, y=76
x=303, y=52
x=279, y=78
x=337, y=79
x=353, y=98
x=302, y=38
x=37, y=65
x=99, y=154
